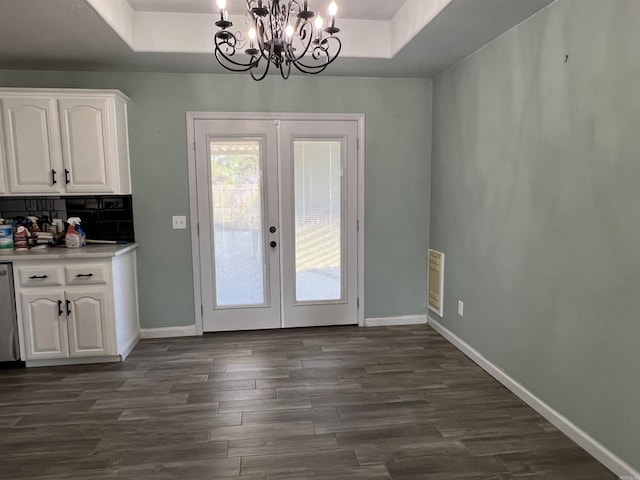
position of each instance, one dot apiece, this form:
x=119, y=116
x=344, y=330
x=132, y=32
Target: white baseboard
x=128, y=348
x=167, y=332
x=390, y=321
x=592, y=446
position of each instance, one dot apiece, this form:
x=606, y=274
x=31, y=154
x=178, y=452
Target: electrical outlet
x=461, y=308
x=179, y=222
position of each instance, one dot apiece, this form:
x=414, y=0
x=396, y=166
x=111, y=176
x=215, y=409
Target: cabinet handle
x=80, y=275
x=68, y=308
x=66, y=177
x=53, y=177
x=60, y=312
x=38, y=277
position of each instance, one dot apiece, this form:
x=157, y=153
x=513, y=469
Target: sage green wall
x=536, y=203
x=398, y=113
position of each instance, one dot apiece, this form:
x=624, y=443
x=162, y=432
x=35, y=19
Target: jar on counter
x=21, y=238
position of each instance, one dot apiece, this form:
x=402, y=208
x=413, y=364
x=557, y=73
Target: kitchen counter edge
x=58, y=253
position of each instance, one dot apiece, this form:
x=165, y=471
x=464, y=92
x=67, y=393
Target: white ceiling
x=360, y=9
x=412, y=38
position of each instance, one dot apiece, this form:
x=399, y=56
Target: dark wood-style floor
x=323, y=403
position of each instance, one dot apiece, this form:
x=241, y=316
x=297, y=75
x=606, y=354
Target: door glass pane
x=236, y=195
x=318, y=204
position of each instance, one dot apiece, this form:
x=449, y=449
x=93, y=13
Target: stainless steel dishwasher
x=9, y=349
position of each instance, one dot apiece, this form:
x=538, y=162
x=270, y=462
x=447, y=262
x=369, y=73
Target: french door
x=277, y=215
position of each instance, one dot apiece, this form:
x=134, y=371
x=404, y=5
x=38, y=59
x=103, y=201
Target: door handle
x=39, y=277
x=53, y=177
x=60, y=312
x=273, y=244
x=66, y=177
x=68, y=308
x=80, y=275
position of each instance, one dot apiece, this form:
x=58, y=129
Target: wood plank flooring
x=339, y=403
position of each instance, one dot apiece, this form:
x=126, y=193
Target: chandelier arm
x=260, y=29
x=291, y=56
x=286, y=74
x=232, y=65
x=264, y=73
x=311, y=70
x=267, y=58
x=320, y=50
x=224, y=40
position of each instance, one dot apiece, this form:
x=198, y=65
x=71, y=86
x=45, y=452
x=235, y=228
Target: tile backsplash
x=52, y=207
x=104, y=217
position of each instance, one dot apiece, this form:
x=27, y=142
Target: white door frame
x=193, y=193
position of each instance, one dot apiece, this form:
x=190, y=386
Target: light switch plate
x=179, y=222
x=460, y=308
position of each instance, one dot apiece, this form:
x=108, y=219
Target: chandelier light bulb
x=289, y=31
x=222, y=4
x=318, y=23
x=252, y=34
x=333, y=9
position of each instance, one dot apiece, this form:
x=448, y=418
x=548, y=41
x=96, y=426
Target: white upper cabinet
x=3, y=175
x=65, y=142
x=96, y=159
x=32, y=139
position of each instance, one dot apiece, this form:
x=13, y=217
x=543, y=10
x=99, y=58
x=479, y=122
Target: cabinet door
x=89, y=332
x=89, y=156
x=3, y=181
x=3, y=177
x=32, y=142
x=45, y=326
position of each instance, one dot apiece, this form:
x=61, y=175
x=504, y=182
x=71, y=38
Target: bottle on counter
x=72, y=239
x=34, y=230
x=58, y=224
x=80, y=232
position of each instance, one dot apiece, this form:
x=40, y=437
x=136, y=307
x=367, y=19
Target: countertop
x=61, y=253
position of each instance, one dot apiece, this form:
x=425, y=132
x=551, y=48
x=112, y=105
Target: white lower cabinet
x=77, y=311
x=87, y=317
x=62, y=324
x=45, y=326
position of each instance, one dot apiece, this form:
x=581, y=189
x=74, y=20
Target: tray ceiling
x=359, y=9
x=412, y=38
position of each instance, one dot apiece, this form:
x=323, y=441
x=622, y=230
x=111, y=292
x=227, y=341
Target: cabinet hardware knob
x=38, y=277
x=272, y=229
x=80, y=275
x=272, y=244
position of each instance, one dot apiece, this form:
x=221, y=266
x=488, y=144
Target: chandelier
x=282, y=34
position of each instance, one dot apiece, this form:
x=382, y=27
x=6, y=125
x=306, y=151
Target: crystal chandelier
x=282, y=33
